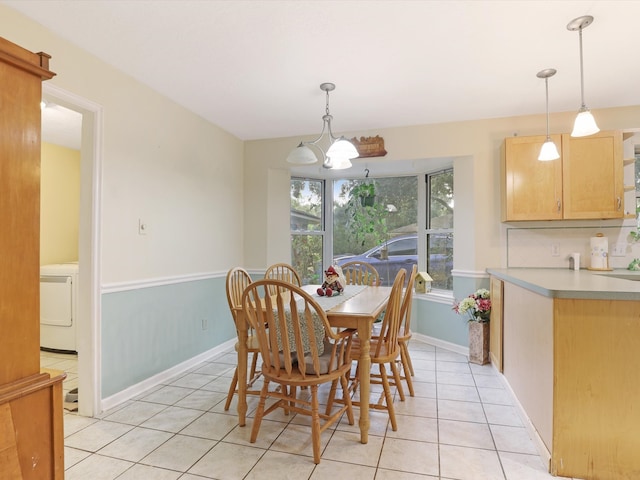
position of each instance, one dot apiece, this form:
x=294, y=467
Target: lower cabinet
x=573, y=365
x=495, y=325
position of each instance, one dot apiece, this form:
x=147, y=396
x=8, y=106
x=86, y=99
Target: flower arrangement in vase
x=476, y=306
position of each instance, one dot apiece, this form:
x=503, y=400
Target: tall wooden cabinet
x=31, y=431
x=586, y=182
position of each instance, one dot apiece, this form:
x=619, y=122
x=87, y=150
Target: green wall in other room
x=149, y=330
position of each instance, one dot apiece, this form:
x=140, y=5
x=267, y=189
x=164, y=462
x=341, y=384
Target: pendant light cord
x=546, y=87
x=581, y=72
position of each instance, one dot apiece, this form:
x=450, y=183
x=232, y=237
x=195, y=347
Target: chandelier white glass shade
x=585, y=124
x=340, y=151
x=549, y=151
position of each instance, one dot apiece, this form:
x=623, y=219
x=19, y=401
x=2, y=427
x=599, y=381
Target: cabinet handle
x=619, y=203
x=559, y=205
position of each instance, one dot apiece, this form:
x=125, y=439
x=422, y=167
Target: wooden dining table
x=359, y=312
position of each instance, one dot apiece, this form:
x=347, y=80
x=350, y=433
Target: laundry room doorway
x=74, y=124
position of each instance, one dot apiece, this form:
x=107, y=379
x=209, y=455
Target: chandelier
x=340, y=151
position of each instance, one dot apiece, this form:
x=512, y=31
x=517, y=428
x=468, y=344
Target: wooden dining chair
x=360, y=273
x=385, y=350
x=298, y=349
x=284, y=272
x=237, y=280
x=404, y=334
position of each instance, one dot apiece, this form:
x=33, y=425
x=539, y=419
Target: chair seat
x=324, y=359
x=310, y=378
x=385, y=356
x=401, y=333
x=404, y=336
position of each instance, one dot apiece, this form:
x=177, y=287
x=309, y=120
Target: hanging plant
x=366, y=219
x=366, y=192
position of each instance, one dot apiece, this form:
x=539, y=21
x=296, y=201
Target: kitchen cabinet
x=531, y=190
x=570, y=357
x=31, y=426
x=495, y=325
x=586, y=182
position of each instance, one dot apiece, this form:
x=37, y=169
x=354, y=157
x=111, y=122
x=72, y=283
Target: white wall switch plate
x=619, y=250
x=142, y=227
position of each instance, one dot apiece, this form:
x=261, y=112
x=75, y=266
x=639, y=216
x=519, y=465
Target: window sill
x=438, y=296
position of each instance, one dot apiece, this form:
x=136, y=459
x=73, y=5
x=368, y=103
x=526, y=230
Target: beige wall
x=475, y=145
x=182, y=175
x=212, y=201
x=59, y=204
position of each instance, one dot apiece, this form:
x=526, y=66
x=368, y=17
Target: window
x=373, y=220
x=439, y=233
x=307, y=228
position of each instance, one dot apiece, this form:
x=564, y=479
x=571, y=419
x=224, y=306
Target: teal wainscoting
x=438, y=320
x=149, y=330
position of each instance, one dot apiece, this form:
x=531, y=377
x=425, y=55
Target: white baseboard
x=543, y=452
x=138, y=388
x=436, y=342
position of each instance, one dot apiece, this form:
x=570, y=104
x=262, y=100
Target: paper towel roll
x=599, y=252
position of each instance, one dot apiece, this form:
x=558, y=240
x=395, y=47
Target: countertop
x=565, y=283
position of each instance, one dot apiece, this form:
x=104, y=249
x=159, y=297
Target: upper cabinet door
x=532, y=190
x=593, y=176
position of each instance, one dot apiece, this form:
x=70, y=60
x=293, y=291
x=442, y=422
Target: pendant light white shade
x=585, y=124
x=338, y=163
x=340, y=152
x=342, y=148
x=302, y=155
x=549, y=151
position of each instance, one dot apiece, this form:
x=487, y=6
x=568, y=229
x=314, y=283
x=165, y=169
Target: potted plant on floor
x=477, y=307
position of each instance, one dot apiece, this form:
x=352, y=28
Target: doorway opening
x=88, y=305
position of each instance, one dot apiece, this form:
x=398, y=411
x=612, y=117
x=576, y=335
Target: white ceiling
x=61, y=126
x=254, y=67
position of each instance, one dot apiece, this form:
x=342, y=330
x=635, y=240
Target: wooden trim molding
x=35, y=63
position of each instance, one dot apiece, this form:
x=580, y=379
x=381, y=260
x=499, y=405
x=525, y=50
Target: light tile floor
x=65, y=362
x=461, y=425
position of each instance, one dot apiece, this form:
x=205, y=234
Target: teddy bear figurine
x=331, y=285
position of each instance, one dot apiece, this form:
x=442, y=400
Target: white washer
x=58, y=306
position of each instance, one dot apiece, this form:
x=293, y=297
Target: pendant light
x=549, y=151
x=585, y=124
x=340, y=151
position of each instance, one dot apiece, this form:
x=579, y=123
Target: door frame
x=89, y=246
